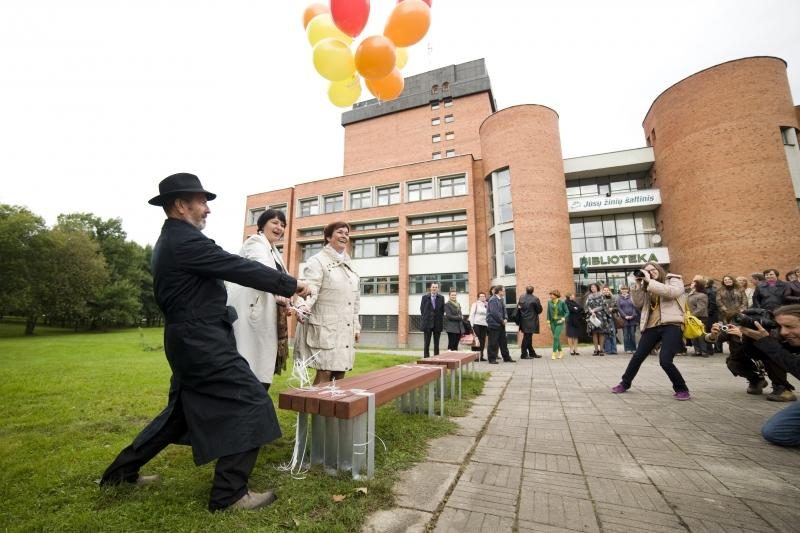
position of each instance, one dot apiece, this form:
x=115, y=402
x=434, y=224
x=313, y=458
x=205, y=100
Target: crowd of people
x=224, y=343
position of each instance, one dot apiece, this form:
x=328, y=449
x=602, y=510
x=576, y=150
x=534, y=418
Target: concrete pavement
x=548, y=448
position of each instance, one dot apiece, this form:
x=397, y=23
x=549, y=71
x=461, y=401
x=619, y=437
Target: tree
x=19, y=229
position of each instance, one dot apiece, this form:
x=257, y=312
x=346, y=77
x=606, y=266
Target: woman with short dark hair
x=770, y=292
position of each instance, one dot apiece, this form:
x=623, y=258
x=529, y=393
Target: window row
x=380, y=285
x=436, y=104
x=624, y=231
x=448, y=119
x=383, y=246
x=378, y=323
x=420, y=283
x=450, y=152
x=439, y=242
x=434, y=219
x=437, y=137
x=252, y=218
x=375, y=225
x=384, y=195
x=602, y=185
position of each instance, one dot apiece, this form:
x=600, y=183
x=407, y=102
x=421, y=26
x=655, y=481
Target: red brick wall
x=729, y=205
x=526, y=140
x=405, y=137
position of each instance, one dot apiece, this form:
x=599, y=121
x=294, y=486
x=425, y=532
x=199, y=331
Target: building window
x=420, y=190
x=376, y=225
x=314, y=232
x=612, y=279
x=450, y=135
x=500, y=208
x=436, y=155
x=334, y=203
x=310, y=248
x=309, y=207
x=434, y=105
x=455, y=186
x=386, y=323
x=435, y=89
x=451, y=152
x=254, y=214
x=434, y=219
x=448, y=102
x=509, y=254
x=448, y=119
x=493, y=254
x=383, y=246
x=623, y=231
x=436, y=121
x=436, y=138
x=619, y=183
x=380, y=286
x=446, y=87
x=279, y=207
x=420, y=283
x=389, y=195
x=439, y=242
x=789, y=136
x=360, y=199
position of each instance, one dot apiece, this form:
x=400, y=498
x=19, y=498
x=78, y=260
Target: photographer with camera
x=783, y=428
x=657, y=294
x=745, y=355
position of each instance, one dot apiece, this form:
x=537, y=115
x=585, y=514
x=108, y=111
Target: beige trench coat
x=256, y=329
x=330, y=329
x=673, y=300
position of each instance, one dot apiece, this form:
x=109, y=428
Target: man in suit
x=215, y=404
x=432, y=310
x=496, y=319
x=528, y=310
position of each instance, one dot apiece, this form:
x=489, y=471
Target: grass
x=71, y=402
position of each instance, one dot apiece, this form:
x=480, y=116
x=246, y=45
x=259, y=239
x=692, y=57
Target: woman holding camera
x=657, y=294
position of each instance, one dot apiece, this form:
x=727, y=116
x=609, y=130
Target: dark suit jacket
x=225, y=406
x=432, y=318
x=528, y=310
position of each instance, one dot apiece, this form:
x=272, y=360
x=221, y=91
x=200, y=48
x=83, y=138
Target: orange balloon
x=387, y=88
x=408, y=23
x=312, y=11
x=375, y=57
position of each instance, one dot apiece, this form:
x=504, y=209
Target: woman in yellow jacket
x=557, y=313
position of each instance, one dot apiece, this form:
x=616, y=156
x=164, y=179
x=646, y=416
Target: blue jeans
x=610, y=342
x=671, y=338
x=629, y=336
x=783, y=428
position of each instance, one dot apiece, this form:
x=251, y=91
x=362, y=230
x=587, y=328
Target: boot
x=254, y=500
x=143, y=481
x=757, y=386
x=560, y=354
x=553, y=357
x=781, y=394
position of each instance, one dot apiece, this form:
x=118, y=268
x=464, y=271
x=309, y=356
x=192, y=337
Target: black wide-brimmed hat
x=176, y=184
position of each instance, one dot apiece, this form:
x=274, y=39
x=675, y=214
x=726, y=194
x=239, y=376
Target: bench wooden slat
x=355, y=405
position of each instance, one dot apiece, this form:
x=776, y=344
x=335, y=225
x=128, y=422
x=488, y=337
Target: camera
x=749, y=317
x=639, y=274
x=725, y=327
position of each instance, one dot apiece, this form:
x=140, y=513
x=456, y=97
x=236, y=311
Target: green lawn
x=72, y=401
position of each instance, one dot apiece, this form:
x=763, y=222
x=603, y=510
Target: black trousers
x=741, y=362
x=452, y=341
x=527, y=345
x=427, y=334
x=230, y=474
x=497, y=340
x=480, y=331
x=671, y=338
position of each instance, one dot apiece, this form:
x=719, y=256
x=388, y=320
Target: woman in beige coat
x=661, y=298
x=260, y=331
x=332, y=327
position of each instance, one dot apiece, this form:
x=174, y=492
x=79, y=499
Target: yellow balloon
x=334, y=60
x=345, y=93
x=323, y=27
x=402, y=57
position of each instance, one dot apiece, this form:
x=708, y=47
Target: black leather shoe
x=537, y=356
x=483, y=359
x=525, y=357
x=493, y=363
x=509, y=361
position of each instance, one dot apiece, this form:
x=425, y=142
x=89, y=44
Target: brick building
x=441, y=186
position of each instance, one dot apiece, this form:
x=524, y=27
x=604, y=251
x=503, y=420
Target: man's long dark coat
x=226, y=409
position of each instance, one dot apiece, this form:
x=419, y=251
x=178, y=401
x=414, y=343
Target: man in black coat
x=432, y=310
x=215, y=404
x=528, y=310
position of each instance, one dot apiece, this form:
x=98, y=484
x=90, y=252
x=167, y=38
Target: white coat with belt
x=330, y=329
x=256, y=329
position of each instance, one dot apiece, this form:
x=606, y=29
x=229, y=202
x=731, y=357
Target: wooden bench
x=454, y=362
x=343, y=413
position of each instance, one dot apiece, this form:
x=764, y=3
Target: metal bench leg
x=441, y=392
x=331, y=445
x=370, y=440
x=360, y=444
x=404, y=403
x=431, y=397
x=459, y=382
x=345, y=444
x=452, y=384
x=317, y=439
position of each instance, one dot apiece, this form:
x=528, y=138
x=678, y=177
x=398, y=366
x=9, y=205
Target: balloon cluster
x=378, y=58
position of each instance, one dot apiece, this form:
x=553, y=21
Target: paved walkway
x=547, y=448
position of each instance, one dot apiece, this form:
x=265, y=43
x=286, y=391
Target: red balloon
x=429, y=2
x=350, y=16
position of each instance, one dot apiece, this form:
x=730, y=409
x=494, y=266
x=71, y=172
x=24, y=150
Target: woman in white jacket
x=659, y=296
x=327, y=337
x=261, y=332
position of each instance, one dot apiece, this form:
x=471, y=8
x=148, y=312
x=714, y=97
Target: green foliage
x=19, y=231
x=71, y=402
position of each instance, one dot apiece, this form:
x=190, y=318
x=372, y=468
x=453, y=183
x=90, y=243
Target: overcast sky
x=101, y=99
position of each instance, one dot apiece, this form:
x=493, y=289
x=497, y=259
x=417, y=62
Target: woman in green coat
x=557, y=313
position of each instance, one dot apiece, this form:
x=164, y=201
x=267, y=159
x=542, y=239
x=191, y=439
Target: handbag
x=692, y=326
x=596, y=322
x=619, y=322
x=467, y=340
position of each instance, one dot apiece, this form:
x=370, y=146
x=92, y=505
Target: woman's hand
x=282, y=300
x=754, y=334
